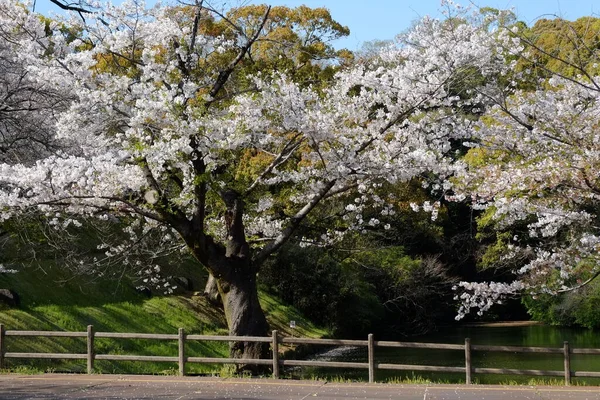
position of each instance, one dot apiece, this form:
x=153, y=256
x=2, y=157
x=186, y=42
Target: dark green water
x=530, y=336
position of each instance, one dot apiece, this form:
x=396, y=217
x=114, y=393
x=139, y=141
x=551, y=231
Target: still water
x=529, y=336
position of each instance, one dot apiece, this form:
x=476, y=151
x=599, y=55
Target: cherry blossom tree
x=29, y=108
x=159, y=136
x=536, y=164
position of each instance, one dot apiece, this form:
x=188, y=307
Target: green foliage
x=495, y=242
x=392, y=281
x=495, y=251
x=325, y=290
x=392, y=260
x=384, y=290
x=576, y=308
x=416, y=293
x=296, y=40
x=565, y=47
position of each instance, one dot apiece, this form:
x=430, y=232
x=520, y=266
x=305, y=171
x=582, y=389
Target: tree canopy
x=226, y=131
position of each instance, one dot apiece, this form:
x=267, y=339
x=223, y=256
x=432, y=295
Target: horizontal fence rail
x=275, y=340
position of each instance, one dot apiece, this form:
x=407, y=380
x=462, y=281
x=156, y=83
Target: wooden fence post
x=468, y=368
x=371, y=349
x=2, y=346
x=567, y=354
x=90, y=349
x=181, y=352
x=275, y=346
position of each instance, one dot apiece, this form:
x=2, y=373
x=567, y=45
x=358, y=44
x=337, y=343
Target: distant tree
x=558, y=46
x=373, y=48
x=29, y=107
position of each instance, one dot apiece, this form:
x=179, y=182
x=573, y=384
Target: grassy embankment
x=52, y=300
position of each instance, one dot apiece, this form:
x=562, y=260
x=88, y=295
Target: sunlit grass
x=77, y=304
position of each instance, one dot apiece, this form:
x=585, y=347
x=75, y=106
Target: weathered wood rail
x=275, y=362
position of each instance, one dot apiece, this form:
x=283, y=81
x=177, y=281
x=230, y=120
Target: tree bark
x=244, y=315
x=238, y=289
x=231, y=268
x=211, y=290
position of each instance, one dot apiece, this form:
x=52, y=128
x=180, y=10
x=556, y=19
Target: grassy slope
x=50, y=300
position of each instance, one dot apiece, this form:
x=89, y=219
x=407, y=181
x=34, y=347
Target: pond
x=494, y=334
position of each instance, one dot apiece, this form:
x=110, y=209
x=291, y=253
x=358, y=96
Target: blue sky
x=383, y=19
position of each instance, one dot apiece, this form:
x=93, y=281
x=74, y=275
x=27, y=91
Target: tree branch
x=283, y=156
x=199, y=187
x=71, y=7
x=196, y=24
x=65, y=202
x=224, y=74
x=293, y=225
x=580, y=285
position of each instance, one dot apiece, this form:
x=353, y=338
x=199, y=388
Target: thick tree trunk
x=244, y=315
x=230, y=265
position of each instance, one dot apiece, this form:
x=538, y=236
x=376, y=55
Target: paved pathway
x=63, y=386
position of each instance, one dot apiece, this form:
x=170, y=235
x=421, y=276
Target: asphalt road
x=55, y=386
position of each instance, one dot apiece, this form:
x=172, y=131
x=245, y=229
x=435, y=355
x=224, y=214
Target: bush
x=326, y=291
x=576, y=308
x=381, y=291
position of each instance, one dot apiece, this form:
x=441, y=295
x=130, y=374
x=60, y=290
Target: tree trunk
x=230, y=265
x=211, y=290
x=244, y=315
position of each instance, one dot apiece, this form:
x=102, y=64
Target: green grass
x=279, y=316
x=51, y=301
x=414, y=379
x=155, y=315
x=547, y=382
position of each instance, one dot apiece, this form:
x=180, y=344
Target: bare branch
x=196, y=24
x=579, y=286
x=70, y=6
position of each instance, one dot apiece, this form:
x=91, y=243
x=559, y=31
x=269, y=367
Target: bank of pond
x=525, y=335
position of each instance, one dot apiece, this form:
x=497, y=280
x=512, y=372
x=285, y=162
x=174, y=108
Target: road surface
x=63, y=386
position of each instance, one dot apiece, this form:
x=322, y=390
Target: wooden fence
x=275, y=362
